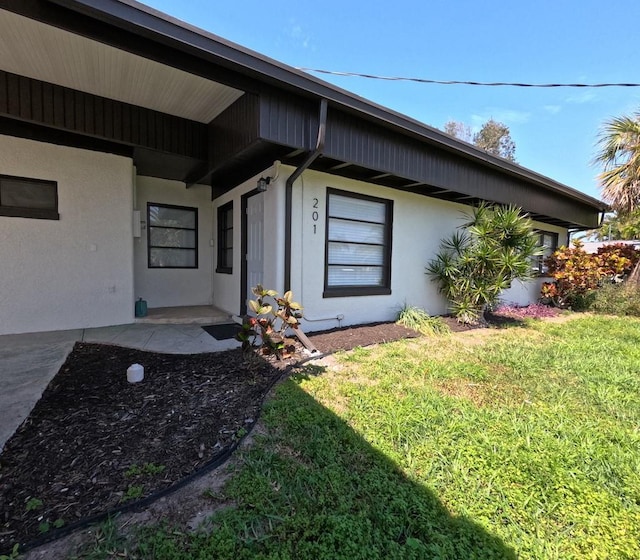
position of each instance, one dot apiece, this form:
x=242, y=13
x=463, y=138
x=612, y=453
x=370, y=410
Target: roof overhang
x=37, y=50
x=144, y=58
x=151, y=23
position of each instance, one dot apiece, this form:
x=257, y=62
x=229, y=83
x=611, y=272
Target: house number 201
x=315, y=215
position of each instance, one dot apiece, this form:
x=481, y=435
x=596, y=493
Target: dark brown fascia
x=160, y=27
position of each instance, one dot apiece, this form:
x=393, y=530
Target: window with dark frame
x=358, y=245
x=28, y=198
x=548, y=240
x=225, y=238
x=172, y=235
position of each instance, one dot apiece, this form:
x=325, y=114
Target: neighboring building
x=131, y=149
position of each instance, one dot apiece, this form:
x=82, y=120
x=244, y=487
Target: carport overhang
x=248, y=111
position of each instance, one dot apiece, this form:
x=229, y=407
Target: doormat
x=224, y=331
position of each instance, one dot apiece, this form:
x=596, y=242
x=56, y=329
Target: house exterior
x=142, y=157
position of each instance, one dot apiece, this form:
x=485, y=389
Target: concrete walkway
x=28, y=362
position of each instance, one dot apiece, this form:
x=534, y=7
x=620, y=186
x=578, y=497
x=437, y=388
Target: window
x=549, y=242
x=28, y=198
x=172, y=236
x=225, y=238
x=358, y=245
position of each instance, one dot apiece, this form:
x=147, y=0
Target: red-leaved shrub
x=577, y=273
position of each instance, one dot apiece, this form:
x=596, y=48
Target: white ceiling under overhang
x=36, y=50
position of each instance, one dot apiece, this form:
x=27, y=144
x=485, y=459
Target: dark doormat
x=224, y=331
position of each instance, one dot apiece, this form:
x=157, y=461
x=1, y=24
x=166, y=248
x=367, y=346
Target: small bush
x=582, y=302
x=618, y=259
x=577, y=274
x=274, y=315
x=419, y=320
x=481, y=260
x=617, y=299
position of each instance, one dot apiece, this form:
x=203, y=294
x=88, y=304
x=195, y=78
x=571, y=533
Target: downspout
x=288, y=204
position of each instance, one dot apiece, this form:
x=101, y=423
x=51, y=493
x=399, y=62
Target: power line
x=463, y=83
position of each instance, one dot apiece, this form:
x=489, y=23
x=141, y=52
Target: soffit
x=36, y=50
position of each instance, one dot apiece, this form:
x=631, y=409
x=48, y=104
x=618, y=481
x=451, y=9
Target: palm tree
x=619, y=155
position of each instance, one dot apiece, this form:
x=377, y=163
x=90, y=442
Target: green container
x=141, y=308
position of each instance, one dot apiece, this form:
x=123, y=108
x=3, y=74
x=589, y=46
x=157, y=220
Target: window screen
x=172, y=236
x=28, y=198
x=358, y=245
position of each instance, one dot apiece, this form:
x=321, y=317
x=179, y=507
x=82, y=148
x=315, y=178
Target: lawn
x=522, y=443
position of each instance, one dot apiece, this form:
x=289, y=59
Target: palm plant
x=482, y=259
x=619, y=155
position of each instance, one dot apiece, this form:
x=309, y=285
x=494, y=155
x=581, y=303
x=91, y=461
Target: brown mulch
x=348, y=338
x=95, y=442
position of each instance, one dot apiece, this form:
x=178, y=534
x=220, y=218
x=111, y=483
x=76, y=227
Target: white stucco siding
x=227, y=287
x=419, y=225
x=524, y=293
x=174, y=287
x=75, y=272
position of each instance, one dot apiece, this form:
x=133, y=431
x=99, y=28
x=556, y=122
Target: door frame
x=244, y=224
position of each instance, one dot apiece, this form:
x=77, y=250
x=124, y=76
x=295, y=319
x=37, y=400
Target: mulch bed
x=348, y=338
x=94, y=442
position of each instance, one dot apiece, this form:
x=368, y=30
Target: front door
x=255, y=243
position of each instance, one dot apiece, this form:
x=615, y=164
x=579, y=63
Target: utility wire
x=464, y=83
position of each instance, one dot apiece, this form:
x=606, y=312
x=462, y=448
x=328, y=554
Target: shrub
x=617, y=299
x=476, y=264
x=618, y=259
x=419, y=320
x=577, y=274
x=273, y=316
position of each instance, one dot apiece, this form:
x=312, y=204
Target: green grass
x=524, y=444
x=107, y=543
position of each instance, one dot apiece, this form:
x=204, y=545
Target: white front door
x=255, y=242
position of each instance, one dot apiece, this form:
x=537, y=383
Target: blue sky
x=555, y=130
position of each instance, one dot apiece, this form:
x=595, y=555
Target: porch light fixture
x=263, y=183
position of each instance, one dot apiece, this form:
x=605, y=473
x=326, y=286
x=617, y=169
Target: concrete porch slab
x=28, y=362
x=198, y=314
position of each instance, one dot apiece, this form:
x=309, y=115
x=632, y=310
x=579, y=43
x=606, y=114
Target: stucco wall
x=227, y=287
x=419, y=224
x=523, y=293
x=77, y=271
x=179, y=286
